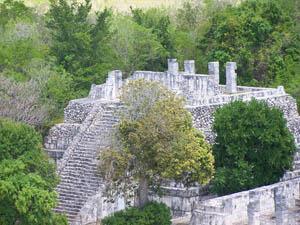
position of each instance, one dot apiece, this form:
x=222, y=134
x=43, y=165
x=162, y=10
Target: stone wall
x=77, y=110
x=97, y=208
x=203, y=114
x=181, y=200
x=249, y=207
x=59, y=138
x=61, y=135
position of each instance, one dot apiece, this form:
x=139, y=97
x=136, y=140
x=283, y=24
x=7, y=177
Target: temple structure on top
x=89, y=123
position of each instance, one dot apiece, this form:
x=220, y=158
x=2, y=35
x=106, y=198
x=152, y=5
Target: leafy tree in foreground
x=157, y=141
x=27, y=179
x=253, y=146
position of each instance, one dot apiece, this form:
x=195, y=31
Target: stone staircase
x=79, y=179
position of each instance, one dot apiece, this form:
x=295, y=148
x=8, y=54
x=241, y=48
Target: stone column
x=253, y=208
x=189, y=66
x=113, y=84
x=280, y=90
x=173, y=66
x=281, y=206
x=213, y=69
x=231, y=83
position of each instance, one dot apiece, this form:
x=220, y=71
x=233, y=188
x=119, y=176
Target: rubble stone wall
x=203, y=114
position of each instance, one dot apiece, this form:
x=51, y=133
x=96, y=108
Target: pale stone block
x=189, y=66
x=231, y=83
x=173, y=66
x=213, y=69
x=281, y=206
x=254, y=208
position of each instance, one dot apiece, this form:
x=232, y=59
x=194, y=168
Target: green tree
x=33, y=89
x=79, y=45
x=21, y=39
x=158, y=21
x=157, y=141
x=27, y=179
x=135, y=47
x=253, y=146
x=260, y=35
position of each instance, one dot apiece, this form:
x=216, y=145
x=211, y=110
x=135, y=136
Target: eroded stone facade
x=89, y=124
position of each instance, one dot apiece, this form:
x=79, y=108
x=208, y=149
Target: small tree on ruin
x=155, y=141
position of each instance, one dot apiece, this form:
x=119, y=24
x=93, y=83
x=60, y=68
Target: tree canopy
x=253, y=146
x=27, y=178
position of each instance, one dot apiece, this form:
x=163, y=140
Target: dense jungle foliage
x=59, y=54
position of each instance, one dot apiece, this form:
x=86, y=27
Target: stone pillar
x=173, y=66
x=281, y=206
x=253, y=208
x=113, y=84
x=280, y=90
x=231, y=83
x=189, y=66
x=213, y=69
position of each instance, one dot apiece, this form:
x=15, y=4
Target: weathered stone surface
x=189, y=66
x=231, y=82
x=233, y=209
x=213, y=69
x=61, y=135
x=77, y=110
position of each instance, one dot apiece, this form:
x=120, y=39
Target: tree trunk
x=142, y=194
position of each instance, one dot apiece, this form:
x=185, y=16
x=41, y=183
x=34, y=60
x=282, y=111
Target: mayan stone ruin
x=89, y=123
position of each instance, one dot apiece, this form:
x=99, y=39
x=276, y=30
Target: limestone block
x=281, y=206
x=213, y=69
x=254, y=208
x=189, y=66
x=231, y=82
x=173, y=66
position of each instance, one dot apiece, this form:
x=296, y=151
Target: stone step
x=81, y=167
x=64, y=191
x=81, y=173
x=80, y=180
x=78, y=187
x=69, y=205
x=59, y=210
x=87, y=182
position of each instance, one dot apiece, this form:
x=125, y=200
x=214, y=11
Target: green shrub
x=27, y=179
x=152, y=214
x=17, y=139
x=253, y=146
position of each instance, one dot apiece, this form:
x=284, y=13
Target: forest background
x=51, y=52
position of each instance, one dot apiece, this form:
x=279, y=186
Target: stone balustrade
x=275, y=201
